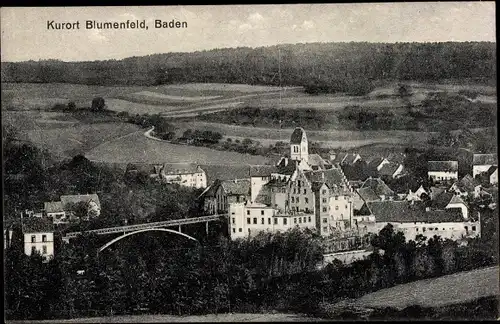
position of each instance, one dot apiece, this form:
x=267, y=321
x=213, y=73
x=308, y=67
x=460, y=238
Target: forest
x=266, y=273
x=320, y=67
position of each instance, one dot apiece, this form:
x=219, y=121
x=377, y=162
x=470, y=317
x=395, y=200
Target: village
x=304, y=190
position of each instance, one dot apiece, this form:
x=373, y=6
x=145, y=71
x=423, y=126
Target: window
x=325, y=229
x=300, y=220
x=323, y=192
x=248, y=212
x=276, y=221
x=44, y=238
x=269, y=221
x=309, y=218
x=423, y=229
x=240, y=230
x=345, y=206
x=232, y=213
x=305, y=219
x=324, y=209
x=293, y=199
x=430, y=229
x=248, y=220
x=234, y=220
x=237, y=198
x=295, y=220
x=284, y=221
x=33, y=250
x=249, y=231
x=473, y=228
x=262, y=221
x=337, y=207
x=324, y=200
x=416, y=229
x=307, y=200
x=33, y=238
x=336, y=197
x=262, y=212
x=294, y=190
x=325, y=220
x=307, y=210
x=305, y=191
x=255, y=220
x=234, y=230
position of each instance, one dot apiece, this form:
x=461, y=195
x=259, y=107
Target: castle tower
x=298, y=145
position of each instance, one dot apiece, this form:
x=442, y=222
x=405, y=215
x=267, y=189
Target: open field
x=331, y=138
x=237, y=318
x=139, y=149
x=446, y=290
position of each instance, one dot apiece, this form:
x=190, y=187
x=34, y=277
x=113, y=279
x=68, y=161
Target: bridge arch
x=113, y=241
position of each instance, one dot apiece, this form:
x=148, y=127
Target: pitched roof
x=53, y=207
x=389, y=169
x=349, y=159
x=73, y=199
x=491, y=170
x=442, y=200
x=287, y=168
x=296, y=137
x=378, y=186
x=225, y=172
x=236, y=187
x=37, y=225
x=334, y=178
x=396, y=158
x=262, y=170
x=316, y=159
x=467, y=183
x=339, y=158
x=367, y=194
x=363, y=211
x=404, y=212
x=179, y=168
x=442, y=166
x=484, y=159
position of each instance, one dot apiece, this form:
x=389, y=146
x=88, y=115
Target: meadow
x=436, y=292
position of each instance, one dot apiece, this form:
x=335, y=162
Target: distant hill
x=300, y=64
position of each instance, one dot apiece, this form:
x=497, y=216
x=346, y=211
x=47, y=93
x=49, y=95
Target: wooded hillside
x=300, y=64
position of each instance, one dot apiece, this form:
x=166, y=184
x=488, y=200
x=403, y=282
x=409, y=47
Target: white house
x=184, y=174
x=54, y=210
x=38, y=237
x=391, y=170
x=91, y=202
x=249, y=219
x=467, y=186
x=417, y=195
x=413, y=219
x=442, y=171
x=482, y=162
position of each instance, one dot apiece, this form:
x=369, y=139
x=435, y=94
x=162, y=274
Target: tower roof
x=297, y=135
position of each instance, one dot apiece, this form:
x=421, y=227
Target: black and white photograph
x=250, y=163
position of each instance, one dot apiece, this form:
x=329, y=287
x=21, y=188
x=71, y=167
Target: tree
x=98, y=104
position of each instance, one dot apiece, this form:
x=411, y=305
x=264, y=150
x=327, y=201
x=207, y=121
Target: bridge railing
x=136, y=227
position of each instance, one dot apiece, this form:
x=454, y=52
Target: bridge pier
x=206, y=227
x=180, y=231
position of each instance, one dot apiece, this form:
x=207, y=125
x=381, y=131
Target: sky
x=25, y=35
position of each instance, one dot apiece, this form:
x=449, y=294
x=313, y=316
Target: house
x=55, y=211
x=492, y=174
x=447, y=200
x=414, y=218
x=217, y=197
x=38, y=237
x=482, y=162
x=442, y=171
x=91, y=202
x=417, y=195
x=391, y=170
x=344, y=158
x=466, y=186
x=184, y=174
x=377, y=162
x=379, y=188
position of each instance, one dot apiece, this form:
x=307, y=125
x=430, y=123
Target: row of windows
x=33, y=238
x=261, y=212
x=437, y=229
x=297, y=200
x=44, y=249
x=297, y=191
x=300, y=220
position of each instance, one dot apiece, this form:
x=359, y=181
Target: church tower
x=298, y=145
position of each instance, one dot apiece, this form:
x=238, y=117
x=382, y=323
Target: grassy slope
x=446, y=290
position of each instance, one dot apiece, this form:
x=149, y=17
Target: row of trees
x=268, y=272
x=339, y=66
